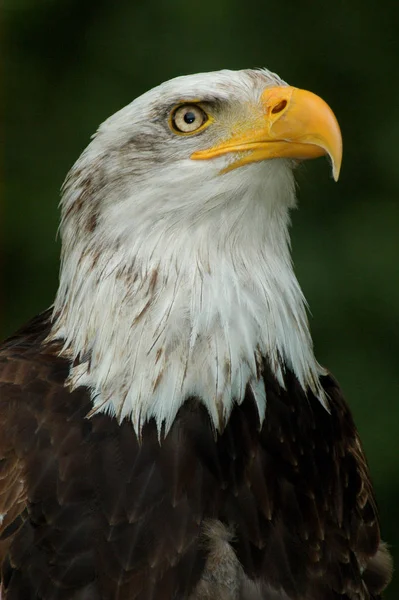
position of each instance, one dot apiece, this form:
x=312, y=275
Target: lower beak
x=293, y=123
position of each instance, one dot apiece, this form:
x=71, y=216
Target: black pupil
x=189, y=117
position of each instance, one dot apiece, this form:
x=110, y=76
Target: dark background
x=69, y=64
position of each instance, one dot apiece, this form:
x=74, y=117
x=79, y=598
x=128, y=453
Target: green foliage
x=71, y=63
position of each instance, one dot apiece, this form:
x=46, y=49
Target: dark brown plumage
x=92, y=513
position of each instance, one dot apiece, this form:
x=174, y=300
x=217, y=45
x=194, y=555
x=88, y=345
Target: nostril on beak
x=279, y=107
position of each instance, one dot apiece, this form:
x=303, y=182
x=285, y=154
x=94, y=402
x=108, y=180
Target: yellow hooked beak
x=293, y=123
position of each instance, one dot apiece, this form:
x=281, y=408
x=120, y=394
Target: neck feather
x=187, y=313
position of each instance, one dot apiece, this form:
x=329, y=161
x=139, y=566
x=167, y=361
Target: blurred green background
x=71, y=63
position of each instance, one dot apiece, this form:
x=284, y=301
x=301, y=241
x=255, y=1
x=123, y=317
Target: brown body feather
x=283, y=511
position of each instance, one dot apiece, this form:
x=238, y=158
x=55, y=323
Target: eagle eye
x=188, y=118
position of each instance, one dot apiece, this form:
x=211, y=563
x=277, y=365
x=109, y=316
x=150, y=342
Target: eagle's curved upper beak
x=292, y=123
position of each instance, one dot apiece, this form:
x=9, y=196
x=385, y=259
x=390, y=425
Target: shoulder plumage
x=32, y=378
x=324, y=489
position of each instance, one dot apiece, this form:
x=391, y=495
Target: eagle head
x=176, y=277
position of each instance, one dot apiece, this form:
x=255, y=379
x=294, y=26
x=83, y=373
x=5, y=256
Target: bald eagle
x=166, y=430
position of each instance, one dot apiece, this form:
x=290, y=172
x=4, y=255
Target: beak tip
x=336, y=169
